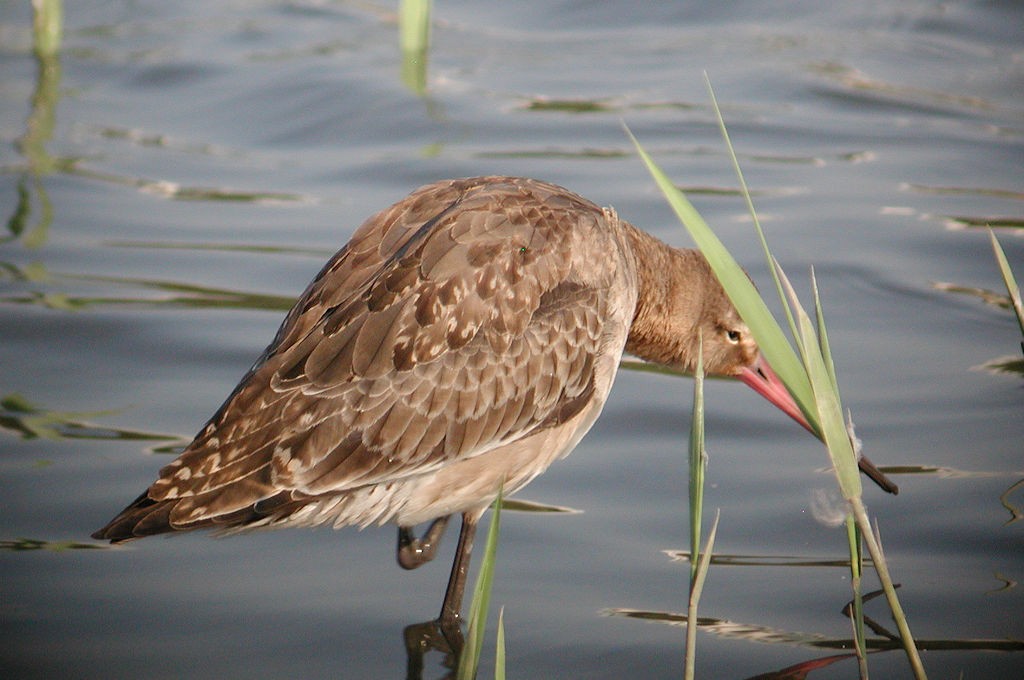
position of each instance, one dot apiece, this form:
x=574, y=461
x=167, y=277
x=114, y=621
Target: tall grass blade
x=770, y=338
x=826, y=397
x=699, y=562
x=1011, y=282
x=499, y=647
x=809, y=378
x=414, y=41
x=696, y=588
x=47, y=26
x=750, y=202
x=414, y=25
x=882, y=568
x=698, y=461
x=469, y=660
x=857, y=613
x=826, y=350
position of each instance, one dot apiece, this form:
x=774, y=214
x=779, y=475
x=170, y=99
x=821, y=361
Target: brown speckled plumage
x=465, y=337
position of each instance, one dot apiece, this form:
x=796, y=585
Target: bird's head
x=692, y=313
x=729, y=349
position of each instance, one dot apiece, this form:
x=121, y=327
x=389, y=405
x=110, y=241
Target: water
x=205, y=158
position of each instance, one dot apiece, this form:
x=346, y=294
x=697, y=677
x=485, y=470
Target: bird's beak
x=762, y=379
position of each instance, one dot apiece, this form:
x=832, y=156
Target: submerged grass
x=414, y=42
x=47, y=26
x=807, y=371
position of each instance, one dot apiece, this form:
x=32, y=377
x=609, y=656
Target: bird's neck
x=669, y=292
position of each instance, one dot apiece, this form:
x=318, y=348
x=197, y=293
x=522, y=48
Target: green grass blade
x=696, y=589
x=469, y=660
x=750, y=204
x=856, y=571
x=770, y=338
x=698, y=460
x=414, y=41
x=499, y=647
x=1011, y=282
x=47, y=26
x=810, y=379
x=414, y=25
x=826, y=350
x=826, y=399
x=882, y=568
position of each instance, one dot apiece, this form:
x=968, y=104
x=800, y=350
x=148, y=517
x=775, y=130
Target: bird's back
x=475, y=318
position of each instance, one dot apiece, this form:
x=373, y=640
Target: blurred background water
x=175, y=173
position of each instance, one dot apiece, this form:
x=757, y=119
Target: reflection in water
x=30, y=544
x=414, y=23
x=983, y=221
x=801, y=670
x=29, y=421
x=963, y=191
x=855, y=84
x=884, y=640
x=488, y=97
x=766, y=560
x=765, y=634
x=423, y=638
x=1015, y=509
x=46, y=34
x=987, y=296
x=1007, y=364
x=176, y=295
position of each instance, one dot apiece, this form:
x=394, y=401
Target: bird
x=463, y=340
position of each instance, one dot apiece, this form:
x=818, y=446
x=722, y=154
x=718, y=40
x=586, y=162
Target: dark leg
x=422, y=638
x=445, y=633
x=451, y=610
x=414, y=552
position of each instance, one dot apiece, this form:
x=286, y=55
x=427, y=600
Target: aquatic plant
x=807, y=371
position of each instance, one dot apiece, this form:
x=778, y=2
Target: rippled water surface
x=177, y=173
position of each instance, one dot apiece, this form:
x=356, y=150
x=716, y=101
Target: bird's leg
x=414, y=552
x=422, y=638
x=444, y=633
x=451, y=609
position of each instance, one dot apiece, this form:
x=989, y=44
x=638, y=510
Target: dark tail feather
x=147, y=517
x=144, y=517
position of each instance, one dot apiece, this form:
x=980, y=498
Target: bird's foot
x=414, y=552
x=437, y=635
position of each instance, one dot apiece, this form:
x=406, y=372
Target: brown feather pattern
x=468, y=334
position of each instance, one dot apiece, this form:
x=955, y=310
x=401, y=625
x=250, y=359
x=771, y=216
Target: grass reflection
x=963, y=191
x=47, y=29
x=222, y=248
x=752, y=632
x=570, y=105
x=31, y=544
x=766, y=560
x=983, y=221
x=176, y=295
x=30, y=421
x=1000, y=365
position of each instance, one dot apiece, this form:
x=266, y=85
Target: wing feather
x=460, y=319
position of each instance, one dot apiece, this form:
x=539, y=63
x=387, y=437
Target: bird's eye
x=733, y=335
